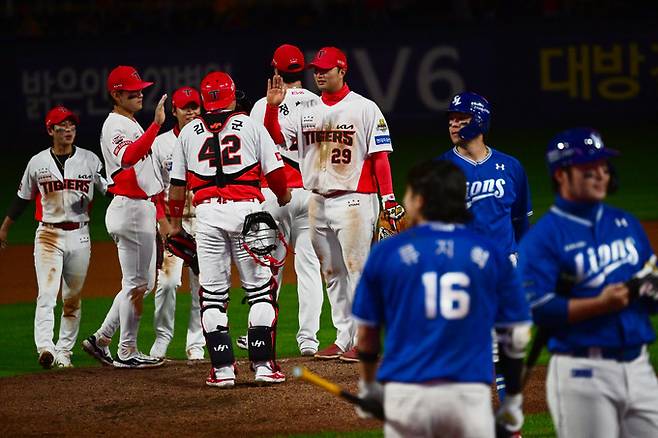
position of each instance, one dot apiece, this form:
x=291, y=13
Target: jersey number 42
x=451, y=295
x=230, y=151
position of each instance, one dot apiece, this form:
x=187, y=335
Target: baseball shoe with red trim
x=223, y=377
x=266, y=374
x=351, y=355
x=331, y=352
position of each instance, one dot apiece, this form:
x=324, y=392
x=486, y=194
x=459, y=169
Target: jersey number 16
x=454, y=300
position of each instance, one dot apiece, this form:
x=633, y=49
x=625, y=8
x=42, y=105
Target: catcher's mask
x=261, y=237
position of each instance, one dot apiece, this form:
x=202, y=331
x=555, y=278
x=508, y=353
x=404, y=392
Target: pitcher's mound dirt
x=174, y=400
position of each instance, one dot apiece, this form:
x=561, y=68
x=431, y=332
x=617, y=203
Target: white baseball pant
x=60, y=257
x=131, y=224
x=342, y=229
x=218, y=227
x=602, y=398
x=169, y=280
x=292, y=218
x=438, y=409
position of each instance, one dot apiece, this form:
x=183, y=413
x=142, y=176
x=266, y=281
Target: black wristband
x=367, y=357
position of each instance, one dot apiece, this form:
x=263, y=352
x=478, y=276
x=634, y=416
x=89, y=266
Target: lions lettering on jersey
x=595, y=246
x=455, y=286
x=497, y=194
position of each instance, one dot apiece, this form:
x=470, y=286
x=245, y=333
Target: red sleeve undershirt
x=159, y=201
x=277, y=182
x=383, y=173
x=140, y=147
x=272, y=123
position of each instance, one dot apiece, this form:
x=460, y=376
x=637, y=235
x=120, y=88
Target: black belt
x=68, y=226
x=627, y=354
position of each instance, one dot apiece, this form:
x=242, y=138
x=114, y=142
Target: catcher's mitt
x=183, y=245
x=391, y=221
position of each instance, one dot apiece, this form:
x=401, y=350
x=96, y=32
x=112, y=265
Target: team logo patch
x=479, y=256
x=382, y=139
x=381, y=125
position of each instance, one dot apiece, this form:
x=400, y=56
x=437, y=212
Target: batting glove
x=510, y=413
x=372, y=391
x=393, y=210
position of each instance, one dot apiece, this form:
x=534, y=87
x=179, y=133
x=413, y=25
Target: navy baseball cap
x=576, y=146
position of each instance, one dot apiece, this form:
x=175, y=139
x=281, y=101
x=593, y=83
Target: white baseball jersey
x=142, y=180
x=335, y=143
x=289, y=109
x=62, y=198
x=246, y=152
x=163, y=151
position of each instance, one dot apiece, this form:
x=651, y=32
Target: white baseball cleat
x=63, y=359
x=223, y=377
x=137, y=360
x=159, y=349
x=242, y=342
x=265, y=374
x=195, y=354
x=308, y=351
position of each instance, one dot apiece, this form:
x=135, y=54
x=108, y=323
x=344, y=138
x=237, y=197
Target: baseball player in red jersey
x=186, y=105
x=135, y=181
x=61, y=180
x=221, y=157
x=288, y=61
x=343, y=143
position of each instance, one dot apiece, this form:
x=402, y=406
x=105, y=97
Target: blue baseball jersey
x=497, y=194
x=438, y=290
x=595, y=245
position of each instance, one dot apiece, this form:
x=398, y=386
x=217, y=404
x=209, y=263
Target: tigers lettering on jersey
x=80, y=185
x=332, y=136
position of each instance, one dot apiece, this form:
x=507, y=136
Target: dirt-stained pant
x=437, y=410
x=602, y=398
x=61, y=257
x=293, y=221
x=131, y=224
x=342, y=229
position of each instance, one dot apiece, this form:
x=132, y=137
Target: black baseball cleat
x=46, y=359
x=138, y=360
x=101, y=354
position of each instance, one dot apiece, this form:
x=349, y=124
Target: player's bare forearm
x=176, y=206
x=368, y=345
x=613, y=298
x=4, y=231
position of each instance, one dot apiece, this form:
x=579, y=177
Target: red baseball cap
x=125, y=78
x=58, y=114
x=288, y=58
x=329, y=57
x=217, y=91
x=185, y=96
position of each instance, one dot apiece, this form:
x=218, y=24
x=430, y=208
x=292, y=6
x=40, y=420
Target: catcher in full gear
x=223, y=154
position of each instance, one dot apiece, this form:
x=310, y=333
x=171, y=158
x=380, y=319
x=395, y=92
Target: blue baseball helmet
x=576, y=146
x=478, y=107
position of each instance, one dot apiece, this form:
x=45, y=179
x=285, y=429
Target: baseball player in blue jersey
x=600, y=382
x=446, y=288
x=497, y=192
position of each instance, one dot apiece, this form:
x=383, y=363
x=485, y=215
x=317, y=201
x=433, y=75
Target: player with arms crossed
x=135, y=181
x=292, y=218
x=497, y=191
x=186, y=105
x=61, y=180
x=446, y=287
x=221, y=157
x=600, y=382
x=343, y=144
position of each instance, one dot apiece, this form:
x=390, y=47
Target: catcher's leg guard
x=213, y=309
x=261, y=343
x=220, y=348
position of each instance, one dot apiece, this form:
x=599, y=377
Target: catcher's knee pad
x=220, y=348
x=213, y=300
x=261, y=294
x=261, y=343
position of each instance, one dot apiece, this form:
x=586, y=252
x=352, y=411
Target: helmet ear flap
x=474, y=128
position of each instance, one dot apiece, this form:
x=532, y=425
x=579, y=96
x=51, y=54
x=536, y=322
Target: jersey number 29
x=454, y=300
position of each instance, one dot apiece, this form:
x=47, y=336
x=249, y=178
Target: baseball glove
x=183, y=245
x=391, y=221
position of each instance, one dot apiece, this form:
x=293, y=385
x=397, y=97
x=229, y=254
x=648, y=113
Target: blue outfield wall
x=536, y=77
